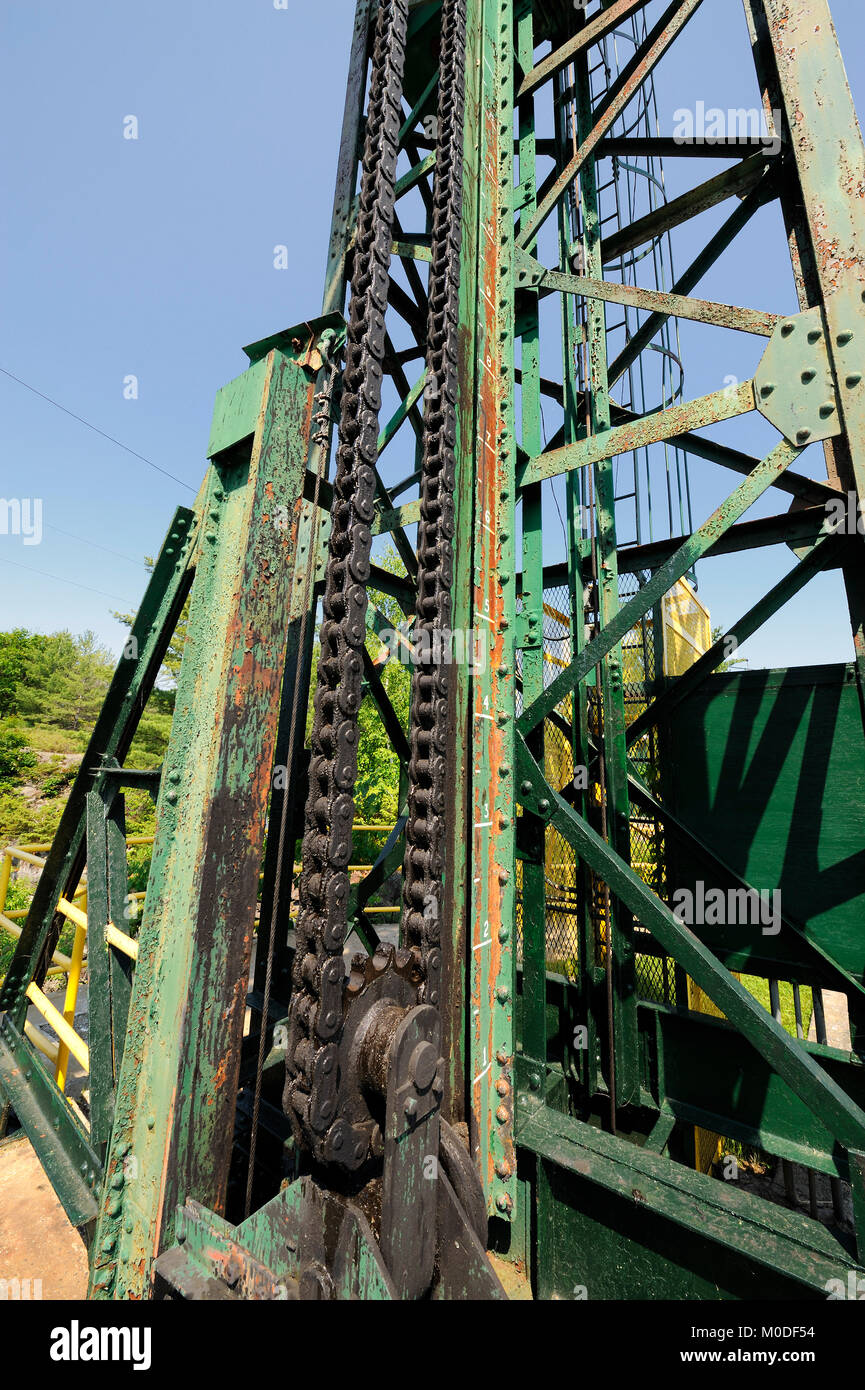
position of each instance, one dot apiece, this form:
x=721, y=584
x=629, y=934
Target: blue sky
x=153, y=258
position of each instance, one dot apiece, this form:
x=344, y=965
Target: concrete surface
x=37, y=1242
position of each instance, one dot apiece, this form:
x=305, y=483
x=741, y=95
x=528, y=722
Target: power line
x=95, y=544
x=46, y=575
x=97, y=430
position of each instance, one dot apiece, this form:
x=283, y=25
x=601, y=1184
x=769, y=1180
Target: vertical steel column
x=456, y=948
x=578, y=554
x=177, y=1085
x=349, y=156
x=624, y=1059
x=491, y=923
x=531, y=623
x=820, y=116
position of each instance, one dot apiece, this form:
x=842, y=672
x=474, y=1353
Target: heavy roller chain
x=320, y=998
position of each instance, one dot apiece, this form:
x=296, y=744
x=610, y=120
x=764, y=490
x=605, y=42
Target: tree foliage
x=64, y=680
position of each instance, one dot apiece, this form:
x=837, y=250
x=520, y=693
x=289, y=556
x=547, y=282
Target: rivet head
x=543, y=806
x=808, y=375
x=503, y=1114
x=503, y=1202
x=827, y=409
x=525, y=788
x=502, y=994
x=787, y=329
x=802, y=436
x=502, y=1086
x=410, y=1107
x=844, y=338
x=534, y=1081
x=767, y=389
x=503, y=1169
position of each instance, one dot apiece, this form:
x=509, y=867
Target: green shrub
x=16, y=757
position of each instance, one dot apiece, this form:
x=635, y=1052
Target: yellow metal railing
x=62, y=1022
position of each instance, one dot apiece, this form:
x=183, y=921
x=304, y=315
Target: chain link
x=319, y=993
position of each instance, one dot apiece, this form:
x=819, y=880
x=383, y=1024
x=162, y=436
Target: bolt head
x=423, y=1065
x=410, y=1108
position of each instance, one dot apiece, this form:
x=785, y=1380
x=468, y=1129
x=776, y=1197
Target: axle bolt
x=423, y=1064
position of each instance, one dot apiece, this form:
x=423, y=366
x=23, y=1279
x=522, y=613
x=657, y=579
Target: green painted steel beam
x=711, y=1240
x=663, y=579
x=842, y=1117
x=811, y=564
x=490, y=944
x=112, y=735
x=621, y=92
x=643, y=430
x=176, y=1089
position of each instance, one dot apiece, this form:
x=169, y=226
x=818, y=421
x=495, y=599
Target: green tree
x=14, y=647
x=170, y=671
x=65, y=680
x=15, y=757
